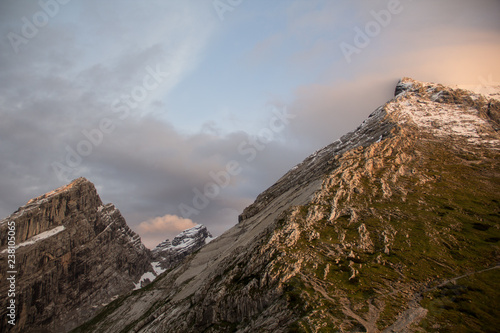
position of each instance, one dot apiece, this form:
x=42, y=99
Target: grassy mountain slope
x=393, y=228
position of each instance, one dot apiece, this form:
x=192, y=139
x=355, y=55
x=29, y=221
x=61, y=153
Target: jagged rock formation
x=168, y=253
x=393, y=228
x=73, y=256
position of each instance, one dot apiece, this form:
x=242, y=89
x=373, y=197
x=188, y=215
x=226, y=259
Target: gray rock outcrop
x=168, y=253
x=73, y=256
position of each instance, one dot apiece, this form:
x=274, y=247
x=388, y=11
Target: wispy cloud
x=156, y=230
x=165, y=224
x=65, y=80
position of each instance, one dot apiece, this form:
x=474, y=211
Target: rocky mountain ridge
x=168, y=253
x=74, y=255
x=378, y=127
x=393, y=228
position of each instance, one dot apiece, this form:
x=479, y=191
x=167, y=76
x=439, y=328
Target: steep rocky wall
x=52, y=209
x=88, y=257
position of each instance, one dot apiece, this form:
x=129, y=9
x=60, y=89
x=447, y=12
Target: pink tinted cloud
x=167, y=223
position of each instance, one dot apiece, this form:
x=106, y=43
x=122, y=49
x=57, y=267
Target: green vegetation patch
x=469, y=304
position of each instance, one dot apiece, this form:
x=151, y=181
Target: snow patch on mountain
x=186, y=240
x=147, y=277
x=168, y=254
x=425, y=107
x=157, y=268
x=39, y=237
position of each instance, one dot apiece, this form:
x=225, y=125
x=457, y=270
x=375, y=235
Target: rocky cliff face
x=73, y=256
x=393, y=228
x=169, y=253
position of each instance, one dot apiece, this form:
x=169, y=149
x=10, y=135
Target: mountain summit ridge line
x=363, y=235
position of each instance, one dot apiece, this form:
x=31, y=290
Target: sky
x=182, y=112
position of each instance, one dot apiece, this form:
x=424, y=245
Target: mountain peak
x=467, y=95
x=193, y=232
x=435, y=109
x=73, y=255
x=184, y=238
x=169, y=253
x=446, y=112
x=74, y=184
x=80, y=180
x=393, y=227
x=403, y=84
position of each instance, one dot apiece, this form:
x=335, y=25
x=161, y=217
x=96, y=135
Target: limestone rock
x=73, y=256
x=168, y=253
x=393, y=228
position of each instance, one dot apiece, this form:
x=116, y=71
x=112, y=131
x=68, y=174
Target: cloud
x=156, y=230
x=327, y=111
x=155, y=170
x=446, y=49
x=64, y=80
x=167, y=223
